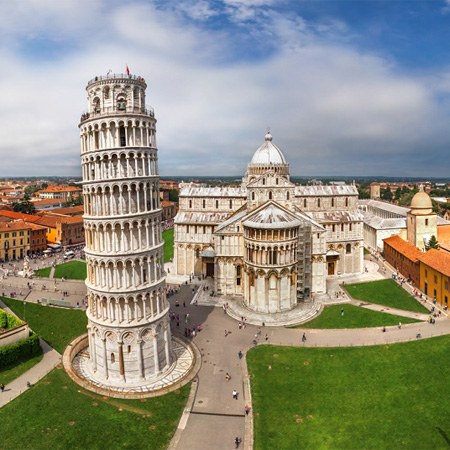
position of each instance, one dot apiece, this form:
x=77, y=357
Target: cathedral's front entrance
x=331, y=268
x=210, y=269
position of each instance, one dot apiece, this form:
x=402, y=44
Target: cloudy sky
x=346, y=87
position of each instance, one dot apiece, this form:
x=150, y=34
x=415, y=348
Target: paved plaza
x=212, y=418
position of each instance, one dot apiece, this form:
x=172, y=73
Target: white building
x=128, y=323
x=268, y=240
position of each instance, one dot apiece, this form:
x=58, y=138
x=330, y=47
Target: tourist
x=226, y=333
x=235, y=394
x=267, y=337
x=342, y=311
x=240, y=354
x=227, y=377
x=2, y=387
x=399, y=325
x=237, y=441
x=304, y=337
x=247, y=410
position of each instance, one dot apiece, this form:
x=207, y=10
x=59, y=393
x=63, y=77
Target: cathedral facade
x=269, y=241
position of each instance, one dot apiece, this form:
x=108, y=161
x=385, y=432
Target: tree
x=363, y=193
x=173, y=195
x=432, y=243
x=398, y=193
x=25, y=206
x=386, y=194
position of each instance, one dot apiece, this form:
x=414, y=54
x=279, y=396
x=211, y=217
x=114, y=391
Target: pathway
x=50, y=360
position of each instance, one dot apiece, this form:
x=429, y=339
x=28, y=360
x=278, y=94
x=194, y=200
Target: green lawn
x=354, y=317
x=71, y=270
x=57, y=326
x=58, y=414
x=383, y=397
x=10, y=373
x=168, y=244
x=45, y=273
x=387, y=293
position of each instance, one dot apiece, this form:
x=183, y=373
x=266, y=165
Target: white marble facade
x=268, y=240
x=128, y=324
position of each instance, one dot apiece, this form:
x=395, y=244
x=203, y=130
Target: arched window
x=348, y=248
x=270, y=195
x=106, y=93
x=113, y=359
x=318, y=202
x=287, y=195
x=122, y=137
x=346, y=202
x=332, y=202
x=304, y=203
x=253, y=196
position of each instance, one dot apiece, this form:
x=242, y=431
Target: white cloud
x=332, y=109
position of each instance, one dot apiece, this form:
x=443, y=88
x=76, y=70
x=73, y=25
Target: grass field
x=168, y=244
x=384, y=397
x=354, y=317
x=71, y=270
x=10, y=373
x=387, y=293
x=58, y=414
x=57, y=326
x=45, y=273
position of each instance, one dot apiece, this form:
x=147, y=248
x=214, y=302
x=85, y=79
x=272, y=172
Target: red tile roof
x=438, y=260
x=19, y=216
x=403, y=247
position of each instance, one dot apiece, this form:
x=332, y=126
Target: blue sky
x=347, y=87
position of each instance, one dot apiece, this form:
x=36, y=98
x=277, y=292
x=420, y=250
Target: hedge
x=7, y=321
x=24, y=349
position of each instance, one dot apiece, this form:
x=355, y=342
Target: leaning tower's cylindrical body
x=128, y=322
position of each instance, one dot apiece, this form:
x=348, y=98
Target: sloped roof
x=403, y=247
x=200, y=217
x=19, y=216
x=272, y=215
x=208, y=191
x=314, y=191
x=438, y=260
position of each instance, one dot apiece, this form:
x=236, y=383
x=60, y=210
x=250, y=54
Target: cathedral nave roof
x=314, y=191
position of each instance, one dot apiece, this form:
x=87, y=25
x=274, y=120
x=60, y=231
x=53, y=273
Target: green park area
x=71, y=270
x=10, y=373
x=353, y=317
x=381, y=397
x=57, y=326
x=168, y=244
x=58, y=414
x=387, y=293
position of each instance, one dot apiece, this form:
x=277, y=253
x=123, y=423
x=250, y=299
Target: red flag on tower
x=128, y=70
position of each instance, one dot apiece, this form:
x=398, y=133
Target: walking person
x=237, y=441
x=235, y=394
x=2, y=387
x=304, y=337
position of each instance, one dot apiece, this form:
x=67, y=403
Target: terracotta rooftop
x=61, y=189
x=52, y=221
x=19, y=216
x=403, y=247
x=12, y=226
x=167, y=203
x=438, y=260
x=71, y=210
x=48, y=201
x=443, y=234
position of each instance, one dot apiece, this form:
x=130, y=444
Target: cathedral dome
x=268, y=153
x=421, y=203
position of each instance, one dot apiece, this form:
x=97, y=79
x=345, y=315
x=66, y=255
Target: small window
x=113, y=358
x=426, y=222
x=349, y=227
x=270, y=195
x=204, y=203
x=190, y=204
x=348, y=248
x=346, y=201
x=264, y=181
x=287, y=195
x=304, y=203
x=342, y=227
x=217, y=204
x=333, y=228
x=231, y=204
x=276, y=181
x=332, y=202
x=253, y=196
x=318, y=202
x=129, y=349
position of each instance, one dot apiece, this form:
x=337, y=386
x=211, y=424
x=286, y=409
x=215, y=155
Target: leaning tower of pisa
x=128, y=322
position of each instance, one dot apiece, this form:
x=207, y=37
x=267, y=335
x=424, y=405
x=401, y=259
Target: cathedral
x=268, y=241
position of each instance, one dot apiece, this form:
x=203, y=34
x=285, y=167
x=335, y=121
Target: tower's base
x=183, y=370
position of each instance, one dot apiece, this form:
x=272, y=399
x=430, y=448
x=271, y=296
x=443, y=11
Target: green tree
x=432, y=243
x=173, y=195
x=363, y=193
x=386, y=194
x=398, y=193
x=24, y=206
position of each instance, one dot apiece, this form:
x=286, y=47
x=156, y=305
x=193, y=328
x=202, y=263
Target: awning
x=208, y=253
